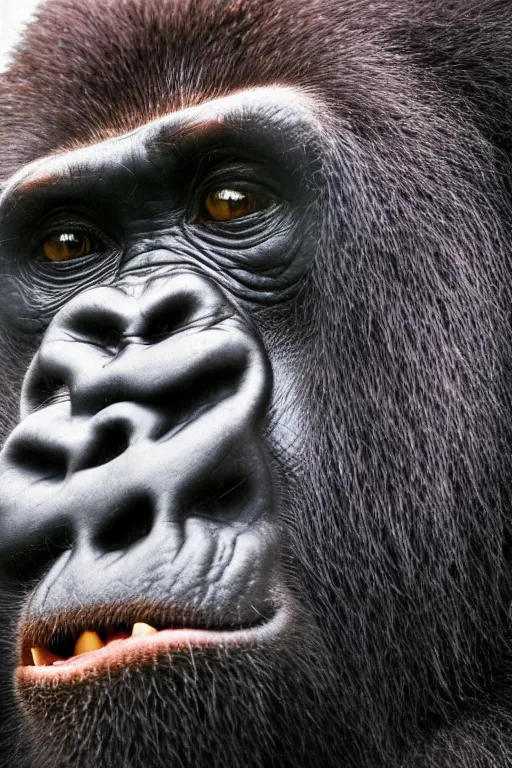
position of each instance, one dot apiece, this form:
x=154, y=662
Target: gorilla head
x=256, y=353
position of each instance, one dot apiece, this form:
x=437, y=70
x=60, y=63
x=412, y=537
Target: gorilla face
x=255, y=297
x=143, y=463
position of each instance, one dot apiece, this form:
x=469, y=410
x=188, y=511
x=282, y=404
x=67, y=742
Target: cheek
x=263, y=264
x=286, y=344
x=287, y=425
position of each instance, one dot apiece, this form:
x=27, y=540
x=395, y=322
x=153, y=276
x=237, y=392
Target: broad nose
x=138, y=407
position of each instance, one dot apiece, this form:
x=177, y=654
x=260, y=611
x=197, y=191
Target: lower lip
x=137, y=650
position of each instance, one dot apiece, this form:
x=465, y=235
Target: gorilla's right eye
x=228, y=204
x=65, y=246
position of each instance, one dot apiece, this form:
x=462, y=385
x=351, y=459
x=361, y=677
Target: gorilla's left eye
x=66, y=246
x=228, y=204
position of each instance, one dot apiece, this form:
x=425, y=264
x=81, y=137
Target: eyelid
x=224, y=169
x=68, y=225
x=242, y=183
x=57, y=222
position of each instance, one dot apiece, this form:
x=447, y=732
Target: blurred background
x=13, y=14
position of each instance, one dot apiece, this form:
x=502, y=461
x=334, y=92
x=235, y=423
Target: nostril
x=168, y=317
x=130, y=523
x=182, y=404
x=55, y=392
x=44, y=462
x=41, y=392
x=112, y=441
x=98, y=328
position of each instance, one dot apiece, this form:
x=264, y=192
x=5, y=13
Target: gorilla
x=256, y=385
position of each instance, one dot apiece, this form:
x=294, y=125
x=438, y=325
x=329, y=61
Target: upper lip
x=59, y=631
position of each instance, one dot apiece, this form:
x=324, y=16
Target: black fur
x=398, y=517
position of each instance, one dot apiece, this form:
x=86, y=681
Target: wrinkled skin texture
x=296, y=425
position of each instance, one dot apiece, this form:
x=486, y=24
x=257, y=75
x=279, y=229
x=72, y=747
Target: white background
x=13, y=13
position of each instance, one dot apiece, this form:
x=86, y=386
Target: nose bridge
x=93, y=345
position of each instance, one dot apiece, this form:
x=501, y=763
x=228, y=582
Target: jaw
x=190, y=693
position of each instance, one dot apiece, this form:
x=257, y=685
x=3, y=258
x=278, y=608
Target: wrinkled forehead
x=282, y=113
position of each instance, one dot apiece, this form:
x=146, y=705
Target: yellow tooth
x=88, y=641
x=140, y=629
x=42, y=657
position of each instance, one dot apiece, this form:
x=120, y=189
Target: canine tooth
x=42, y=657
x=88, y=641
x=139, y=629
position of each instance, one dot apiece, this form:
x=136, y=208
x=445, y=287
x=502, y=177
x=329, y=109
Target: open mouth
x=66, y=646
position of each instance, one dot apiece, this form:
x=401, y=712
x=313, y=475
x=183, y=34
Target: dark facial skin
x=147, y=434
x=283, y=438
x=145, y=409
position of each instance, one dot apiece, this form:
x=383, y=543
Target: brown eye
x=66, y=246
x=229, y=204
